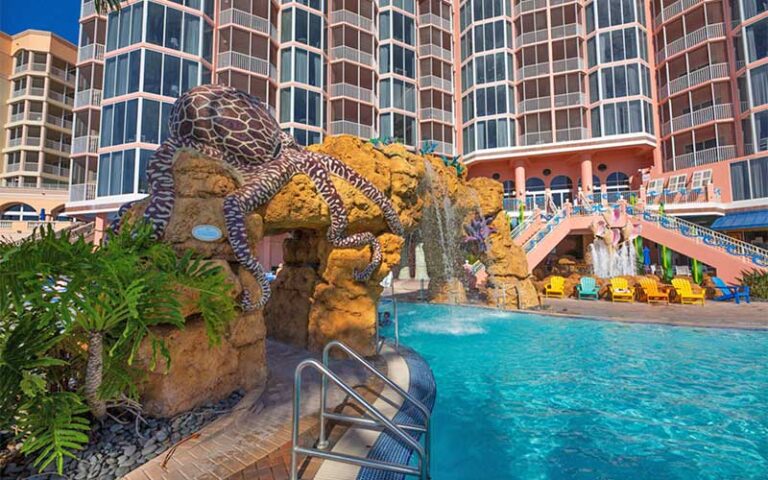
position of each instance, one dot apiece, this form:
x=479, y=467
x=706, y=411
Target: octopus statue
x=231, y=126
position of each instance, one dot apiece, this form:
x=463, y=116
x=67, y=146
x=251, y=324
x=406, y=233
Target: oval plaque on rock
x=206, y=233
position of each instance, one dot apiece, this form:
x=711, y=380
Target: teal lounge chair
x=730, y=292
x=587, y=288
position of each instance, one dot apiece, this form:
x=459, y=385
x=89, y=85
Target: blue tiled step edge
x=389, y=448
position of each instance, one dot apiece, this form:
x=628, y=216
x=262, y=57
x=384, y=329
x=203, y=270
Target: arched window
x=617, y=181
x=595, y=182
x=534, y=193
x=57, y=214
x=562, y=189
x=509, y=188
x=19, y=212
x=534, y=184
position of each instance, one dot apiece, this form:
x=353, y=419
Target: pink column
x=586, y=174
x=520, y=180
x=100, y=226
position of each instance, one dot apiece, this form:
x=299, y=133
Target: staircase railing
x=545, y=230
x=518, y=230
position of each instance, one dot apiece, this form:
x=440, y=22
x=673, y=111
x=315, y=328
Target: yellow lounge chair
x=556, y=287
x=621, y=291
x=652, y=292
x=685, y=292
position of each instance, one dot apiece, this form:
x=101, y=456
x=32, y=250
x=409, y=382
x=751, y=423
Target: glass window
x=164, y=116
x=757, y=40
x=153, y=71
x=129, y=159
x=136, y=25
x=130, y=120
x=155, y=23
x=104, y=175
x=191, y=34
x=740, y=188
x=106, y=126
x=109, y=77
x=173, y=29
x=118, y=124
x=171, y=74
x=189, y=75
x=112, y=30
x=758, y=170
x=134, y=71
x=144, y=156
x=150, y=116
x=121, y=86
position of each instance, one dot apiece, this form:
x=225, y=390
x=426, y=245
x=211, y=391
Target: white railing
x=58, y=145
x=571, y=134
x=704, y=157
x=60, y=97
x=436, y=114
x=436, y=20
x=698, y=117
x=82, y=191
x=352, y=54
x=522, y=227
x=342, y=127
x=37, y=91
x=568, y=99
x=436, y=51
x=247, y=62
x=22, y=67
x=16, y=117
x=694, y=38
x=568, y=30
x=94, y=51
x=13, y=167
x=696, y=77
x=346, y=16
x=56, y=170
x=531, y=37
x=40, y=67
x=31, y=166
x=18, y=93
x=87, y=8
x=530, y=104
x=567, y=64
x=536, y=138
x=533, y=70
x=90, y=97
x=55, y=186
x=85, y=144
x=32, y=141
x=35, y=116
x=248, y=20
x=62, y=74
x=6, y=224
x=59, y=121
x=674, y=9
x=443, y=148
x=528, y=5
x=431, y=81
x=352, y=91
x=14, y=142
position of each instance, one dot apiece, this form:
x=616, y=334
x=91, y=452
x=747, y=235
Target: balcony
x=431, y=81
x=698, y=117
x=571, y=134
x=436, y=20
x=702, y=157
x=674, y=9
x=12, y=167
x=247, y=62
x=352, y=54
x=87, y=9
x=569, y=99
x=94, y=51
x=697, y=77
x=531, y=104
x=88, y=98
x=32, y=142
x=352, y=18
x=443, y=148
x=23, y=67
x=536, y=138
x=531, y=37
x=39, y=67
x=31, y=166
x=58, y=145
x=61, y=74
x=85, y=144
x=570, y=30
x=435, y=51
x=14, y=142
x=16, y=117
x=716, y=30
x=56, y=170
x=248, y=20
x=567, y=64
x=60, y=97
x=436, y=114
x=81, y=192
x=36, y=91
x=344, y=127
x=528, y=5
x=353, y=91
x=60, y=122
x=535, y=70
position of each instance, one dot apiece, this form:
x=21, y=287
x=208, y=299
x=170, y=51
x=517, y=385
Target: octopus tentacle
x=340, y=169
x=339, y=221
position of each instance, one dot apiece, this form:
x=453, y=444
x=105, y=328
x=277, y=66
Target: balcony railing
x=19, y=92
x=22, y=67
x=698, y=117
x=568, y=30
x=12, y=167
x=436, y=20
x=703, y=157
x=61, y=74
x=346, y=16
x=528, y=5
x=536, y=138
x=341, y=127
x=62, y=122
x=353, y=55
x=31, y=166
x=58, y=145
x=87, y=8
x=696, y=77
x=567, y=64
x=571, y=134
x=693, y=39
x=60, y=97
x=353, y=91
x=32, y=141
x=56, y=170
x=85, y=144
x=431, y=81
x=37, y=91
x=674, y=9
x=435, y=51
x=533, y=70
x=39, y=67
x=568, y=99
x=248, y=20
x=531, y=104
x=82, y=191
x=531, y=37
x=14, y=142
x=16, y=117
x=247, y=62
x=88, y=98
x=443, y=148
x=94, y=51
x=436, y=114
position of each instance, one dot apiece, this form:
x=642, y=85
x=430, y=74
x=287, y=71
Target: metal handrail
x=383, y=422
x=323, y=441
x=518, y=230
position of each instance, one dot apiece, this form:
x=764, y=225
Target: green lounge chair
x=587, y=288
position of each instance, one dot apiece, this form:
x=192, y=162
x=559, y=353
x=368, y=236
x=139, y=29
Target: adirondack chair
x=651, y=291
x=685, y=292
x=730, y=292
x=587, y=288
x=621, y=291
x=556, y=287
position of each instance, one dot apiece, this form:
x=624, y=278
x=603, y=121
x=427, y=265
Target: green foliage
x=757, y=281
x=55, y=291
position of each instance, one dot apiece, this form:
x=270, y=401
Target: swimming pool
x=524, y=396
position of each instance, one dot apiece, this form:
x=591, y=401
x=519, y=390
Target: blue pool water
x=524, y=396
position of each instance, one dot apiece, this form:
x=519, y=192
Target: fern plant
x=757, y=281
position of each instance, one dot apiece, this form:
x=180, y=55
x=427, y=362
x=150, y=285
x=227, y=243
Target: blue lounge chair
x=730, y=292
x=587, y=288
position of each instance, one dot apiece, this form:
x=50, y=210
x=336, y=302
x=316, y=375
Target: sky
x=58, y=16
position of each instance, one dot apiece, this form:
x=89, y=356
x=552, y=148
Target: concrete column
x=100, y=226
x=586, y=175
x=520, y=180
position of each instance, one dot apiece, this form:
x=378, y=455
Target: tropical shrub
x=757, y=281
x=72, y=318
